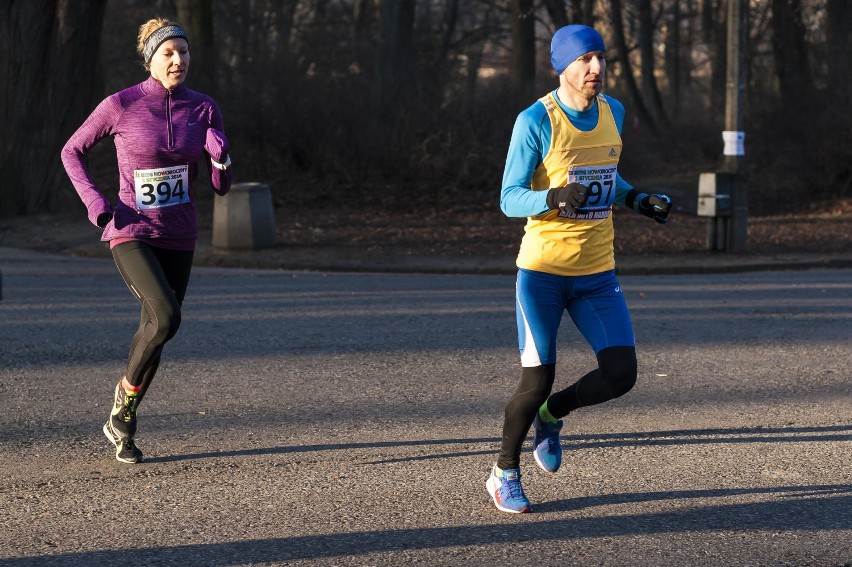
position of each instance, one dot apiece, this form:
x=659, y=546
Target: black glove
x=568, y=198
x=103, y=219
x=656, y=206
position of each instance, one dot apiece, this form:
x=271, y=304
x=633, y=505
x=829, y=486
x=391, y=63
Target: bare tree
x=43, y=43
x=839, y=47
x=197, y=16
x=393, y=56
x=583, y=12
x=303, y=76
x=714, y=29
x=689, y=39
x=626, y=68
x=362, y=18
x=674, y=59
x=791, y=53
x=650, y=91
x=478, y=30
x=523, y=46
x=557, y=13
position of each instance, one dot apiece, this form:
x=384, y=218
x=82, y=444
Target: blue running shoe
x=507, y=492
x=547, y=449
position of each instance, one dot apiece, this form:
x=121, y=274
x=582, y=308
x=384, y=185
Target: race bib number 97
x=600, y=181
x=162, y=187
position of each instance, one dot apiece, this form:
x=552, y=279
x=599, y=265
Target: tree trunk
x=523, y=46
x=714, y=29
x=197, y=16
x=393, y=56
x=688, y=38
x=582, y=12
x=362, y=18
x=474, y=50
x=839, y=45
x=450, y=18
x=650, y=91
x=47, y=97
x=626, y=68
x=673, y=58
x=557, y=13
x=790, y=51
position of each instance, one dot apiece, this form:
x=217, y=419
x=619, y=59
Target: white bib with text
x=600, y=191
x=161, y=187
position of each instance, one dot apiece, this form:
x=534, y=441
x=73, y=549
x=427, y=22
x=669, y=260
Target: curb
x=491, y=266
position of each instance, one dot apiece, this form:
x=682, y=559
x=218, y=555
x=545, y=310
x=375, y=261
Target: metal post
x=737, y=229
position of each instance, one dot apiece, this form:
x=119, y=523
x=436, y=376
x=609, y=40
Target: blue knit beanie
x=571, y=42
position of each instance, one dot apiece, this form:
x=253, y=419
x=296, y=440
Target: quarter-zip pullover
x=154, y=129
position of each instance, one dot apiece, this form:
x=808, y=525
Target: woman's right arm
x=96, y=127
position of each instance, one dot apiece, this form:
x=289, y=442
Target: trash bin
x=244, y=219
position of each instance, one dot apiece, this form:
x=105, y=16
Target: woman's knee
x=167, y=318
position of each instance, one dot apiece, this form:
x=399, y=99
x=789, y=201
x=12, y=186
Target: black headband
x=158, y=36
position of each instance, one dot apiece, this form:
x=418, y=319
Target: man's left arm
x=654, y=205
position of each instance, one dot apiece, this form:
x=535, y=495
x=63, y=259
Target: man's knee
x=537, y=380
x=618, y=368
x=536, y=383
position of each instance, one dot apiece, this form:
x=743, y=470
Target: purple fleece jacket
x=153, y=128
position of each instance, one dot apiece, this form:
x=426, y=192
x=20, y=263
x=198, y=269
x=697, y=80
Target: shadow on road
x=800, y=509
x=570, y=442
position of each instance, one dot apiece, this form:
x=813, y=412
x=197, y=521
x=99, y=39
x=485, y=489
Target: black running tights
x=158, y=278
x=614, y=377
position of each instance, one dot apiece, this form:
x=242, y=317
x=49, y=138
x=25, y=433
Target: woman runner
x=162, y=131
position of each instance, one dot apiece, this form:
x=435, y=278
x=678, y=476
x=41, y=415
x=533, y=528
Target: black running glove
x=655, y=206
x=103, y=219
x=567, y=198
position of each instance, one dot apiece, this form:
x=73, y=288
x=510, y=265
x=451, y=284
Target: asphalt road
x=350, y=419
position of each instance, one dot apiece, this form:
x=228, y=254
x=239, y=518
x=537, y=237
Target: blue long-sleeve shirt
x=530, y=143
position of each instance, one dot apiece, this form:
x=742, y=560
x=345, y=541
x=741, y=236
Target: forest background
x=402, y=110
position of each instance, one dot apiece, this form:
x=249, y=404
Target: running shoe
x=123, y=416
x=507, y=492
x=126, y=450
x=546, y=447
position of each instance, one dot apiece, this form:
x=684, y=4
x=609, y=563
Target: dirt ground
x=466, y=238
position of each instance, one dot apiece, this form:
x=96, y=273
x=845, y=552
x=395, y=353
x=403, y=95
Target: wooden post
x=737, y=229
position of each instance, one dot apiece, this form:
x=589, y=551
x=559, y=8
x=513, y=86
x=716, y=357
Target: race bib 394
x=161, y=187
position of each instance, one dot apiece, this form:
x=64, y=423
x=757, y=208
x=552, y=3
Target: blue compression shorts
x=595, y=304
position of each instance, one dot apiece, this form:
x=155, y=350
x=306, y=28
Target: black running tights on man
x=614, y=377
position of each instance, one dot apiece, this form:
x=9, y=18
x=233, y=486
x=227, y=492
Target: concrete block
x=244, y=218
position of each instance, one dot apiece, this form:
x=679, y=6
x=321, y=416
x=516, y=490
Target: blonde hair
x=146, y=30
